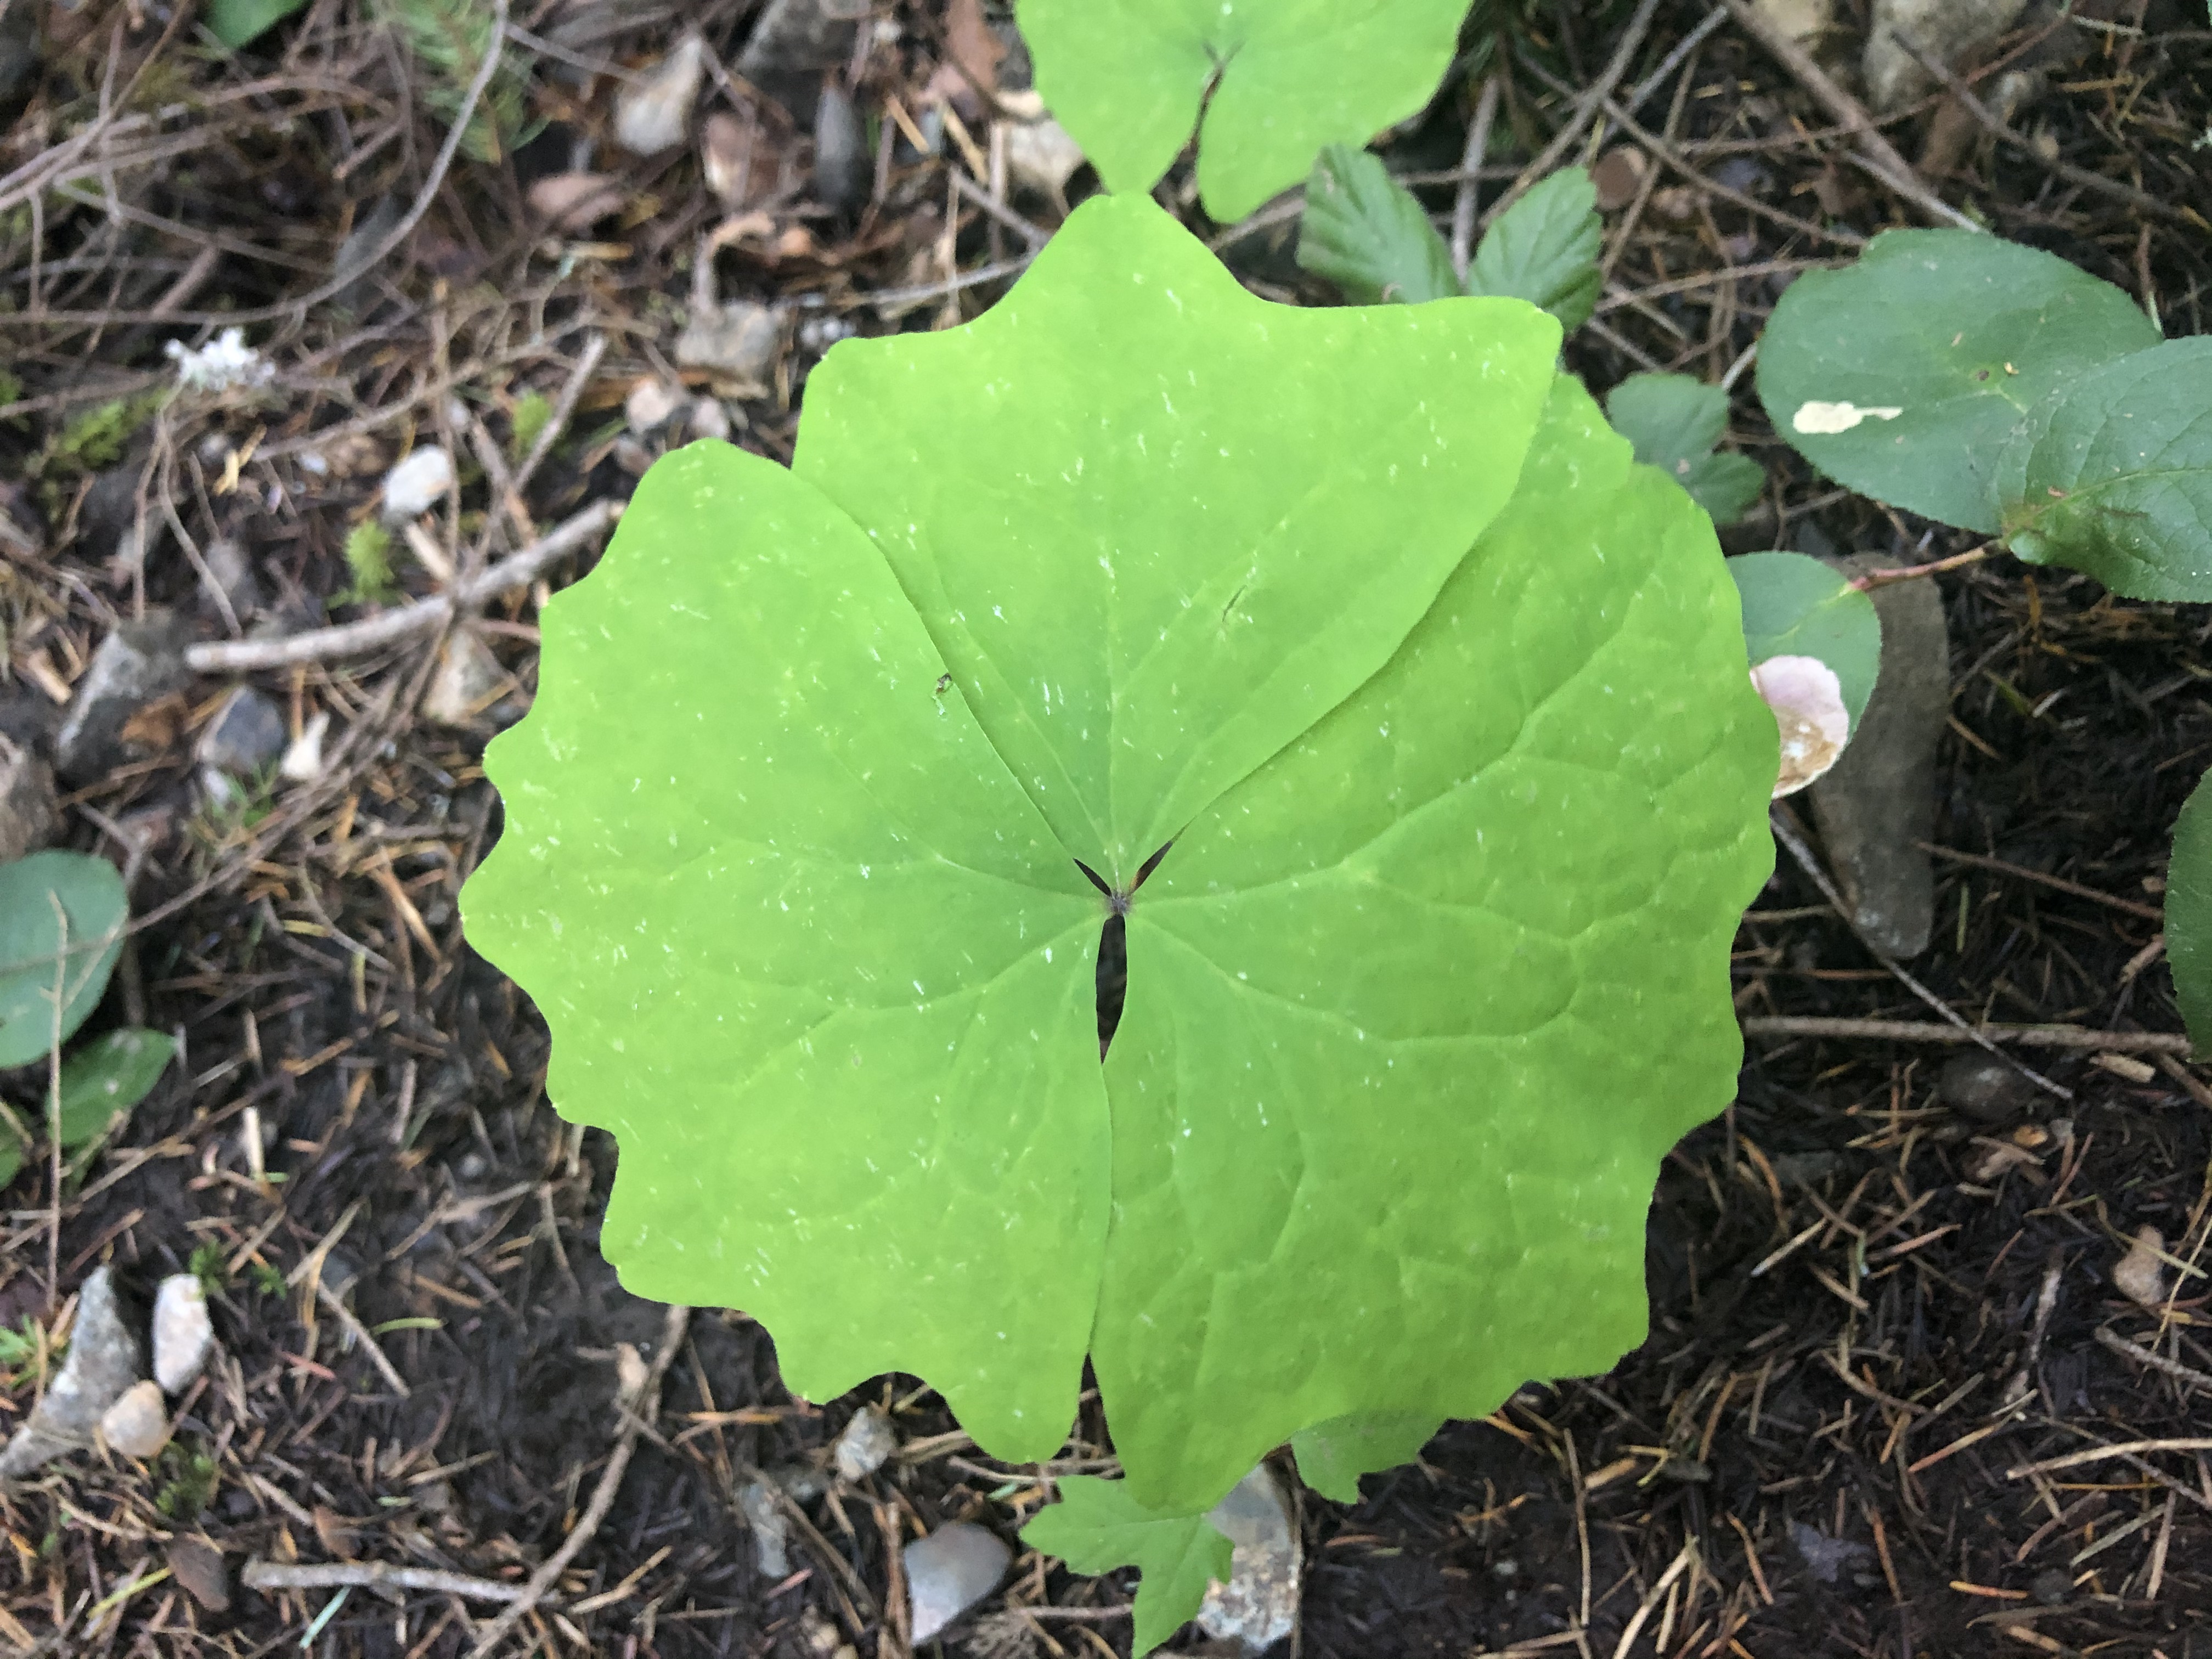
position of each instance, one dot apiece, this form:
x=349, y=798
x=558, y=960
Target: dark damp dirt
x=1880, y=1319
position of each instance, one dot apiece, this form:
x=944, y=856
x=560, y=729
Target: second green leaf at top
x=1901, y=376
x=1273, y=79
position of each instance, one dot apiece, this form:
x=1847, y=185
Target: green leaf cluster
x=1675, y=422
x=1271, y=81
x=1369, y=235
x=62, y=916
x=1999, y=389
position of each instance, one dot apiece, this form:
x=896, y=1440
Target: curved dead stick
x=318, y=644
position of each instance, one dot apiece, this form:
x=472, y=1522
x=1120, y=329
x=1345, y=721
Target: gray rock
x=736, y=343
x=104, y=1361
x=1879, y=803
x=246, y=737
x=29, y=814
x=1826, y=1557
x=761, y=1511
x=948, y=1572
x=138, y=663
x=652, y=114
x=841, y=151
x=467, y=682
x=183, y=1335
x=197, y=1565
x=1977, y=1084
x=1259, y=1605
x=867, y=1442
x=1945, y=30
x=795, y=43
x=227, y=561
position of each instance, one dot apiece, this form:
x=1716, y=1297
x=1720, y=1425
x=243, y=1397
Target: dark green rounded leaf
x=1365, y=232
x=62, y=916
x=1901, y=376
x=1796, y=606
x=2112, y=474
x=2189, y=914
x=1277, y=80
x=110, y=1074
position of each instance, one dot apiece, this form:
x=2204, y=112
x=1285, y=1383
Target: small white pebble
x=867, y=1442
x=2141, y=1274
x=411, y=487
x=137, y=1424
x=303, y=761
x=183, y=1335
x=652, y=115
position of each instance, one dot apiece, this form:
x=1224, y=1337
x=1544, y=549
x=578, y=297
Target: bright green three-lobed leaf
x=1275, y=81
x=1441, y=701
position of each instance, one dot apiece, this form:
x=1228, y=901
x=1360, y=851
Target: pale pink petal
x=1807, y=702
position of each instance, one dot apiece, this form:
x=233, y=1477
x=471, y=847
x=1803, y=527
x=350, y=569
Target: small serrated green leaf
x=2189, y=914
x=1098, y=1526
x=1544, y=249
x=1276, y=80
x=2112, y=474
x=1795, y=607
x=1364, y=231
x=1332, y=1456
x=110, y=1074
x=90, y=893
x=1673, y=422
x=1901, y=376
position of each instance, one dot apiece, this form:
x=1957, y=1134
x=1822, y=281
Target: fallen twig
x=2158, y=1362
x=2099, y=1454
x=603, y=1495
x=319, y=644
x=376, y=1575
x=1470, y=179
x=1784, y=833
x=1921, y=1030
x=1882, y=159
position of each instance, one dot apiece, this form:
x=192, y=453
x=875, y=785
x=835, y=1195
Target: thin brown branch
x=1922, y=1031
